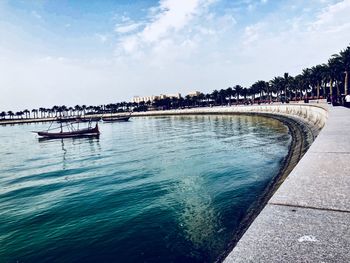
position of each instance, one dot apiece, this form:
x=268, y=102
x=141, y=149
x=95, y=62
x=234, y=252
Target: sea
x=154, y=189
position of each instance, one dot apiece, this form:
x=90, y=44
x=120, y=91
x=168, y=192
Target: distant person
x=347, y=101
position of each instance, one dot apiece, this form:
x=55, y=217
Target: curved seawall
x=306, y=219
x=313, y=114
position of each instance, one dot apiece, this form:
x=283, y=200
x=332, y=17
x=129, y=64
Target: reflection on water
x=64, y=155
x=72, y=144
x=163, y=189
x=197, y=218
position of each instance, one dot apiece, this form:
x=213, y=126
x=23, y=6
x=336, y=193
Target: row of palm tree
x=60, y=111
x=320, y=81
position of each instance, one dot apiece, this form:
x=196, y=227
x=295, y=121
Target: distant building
x=175, y=95
x=138, y=99
x=194, y=93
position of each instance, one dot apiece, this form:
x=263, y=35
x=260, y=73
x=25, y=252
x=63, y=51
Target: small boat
x=65, y=119
x=116, y=118
x=88, y=119
x=72, y=132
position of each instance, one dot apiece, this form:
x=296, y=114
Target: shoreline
x=302, y=138
x=236, y=109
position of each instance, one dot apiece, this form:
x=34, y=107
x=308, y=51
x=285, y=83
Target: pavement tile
x=287, y=234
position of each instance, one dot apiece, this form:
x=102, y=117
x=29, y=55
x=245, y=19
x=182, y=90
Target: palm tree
x=64, y=109
x=42, y=111
x=229, y=92
x=70, y=110
x=174, y=102
x=277, y=85
x=345, y=60
x=35, y=113
x=287, y=80
x=11, y=114
x=316, y=78
x=222, y=96
x=83, y=107
x=325, y=79
x=305, y=80
x=207, y=97
x=19, y=114
x=237, y=90
x=334, y=71
x=259, y=87
x=201, y=98
x=215, y=96
x=3, y=114
x=244, y=93
x=77, y=108
x=253, y=90
x=26, y=112
x=300, y=82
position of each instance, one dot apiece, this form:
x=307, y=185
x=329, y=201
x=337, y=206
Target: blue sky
x=94, y=52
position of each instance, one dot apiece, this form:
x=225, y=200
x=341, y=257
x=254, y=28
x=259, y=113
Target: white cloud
x=173, y=15
x=178, y=46
x=127, y=28
x=275, y=45
x=333, y=17
x=170, y=21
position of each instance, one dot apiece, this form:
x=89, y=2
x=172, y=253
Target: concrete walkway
x=308, y=218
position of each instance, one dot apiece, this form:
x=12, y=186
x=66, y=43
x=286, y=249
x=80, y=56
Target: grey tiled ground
x=303, y=235
x=320, y=180
x=337, y=142
x=308, y=218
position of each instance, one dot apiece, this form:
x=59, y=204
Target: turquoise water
x=165, y=189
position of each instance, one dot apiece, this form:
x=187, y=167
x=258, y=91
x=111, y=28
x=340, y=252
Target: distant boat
x=72, y=132
x=88, y=119
x=116, y=118
x=65, y=119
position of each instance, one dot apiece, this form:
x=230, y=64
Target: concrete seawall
x=313, y=114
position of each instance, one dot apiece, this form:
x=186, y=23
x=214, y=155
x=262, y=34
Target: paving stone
x=287, y=234
x=319, y=180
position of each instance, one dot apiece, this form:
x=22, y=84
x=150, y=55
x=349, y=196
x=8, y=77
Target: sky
x=68, y=52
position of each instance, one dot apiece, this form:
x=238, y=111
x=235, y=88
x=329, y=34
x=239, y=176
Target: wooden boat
x=87, y=119
x=86, y=132
x=116, y=118
x=65, y=119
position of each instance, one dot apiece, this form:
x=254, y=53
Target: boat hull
x=89, y=132
x=116, y=119
x=68, y=119
x=85, y=119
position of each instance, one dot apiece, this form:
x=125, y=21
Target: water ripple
x=162, y=189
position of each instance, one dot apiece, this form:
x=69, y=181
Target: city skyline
x=55, y=53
